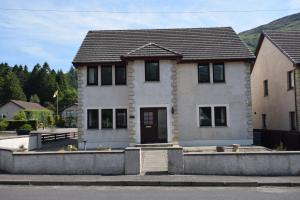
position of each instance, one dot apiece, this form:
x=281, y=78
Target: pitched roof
x=151, y=50
x=107, y=46
x=288, y=42
x=28, y=105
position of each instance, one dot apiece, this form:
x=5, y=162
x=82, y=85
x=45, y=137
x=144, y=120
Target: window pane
x=106, y=75
x=290, y=80
x=218, y=70
x=293, y=120
x=266, y=92
x=151, y=71
x=92, y=75
x=121, y=118
x=205, y=116
x=203, y=73
x=264, y=121
x=93, y=119
x=120, y=74
x=220, y=116
x=107, y=118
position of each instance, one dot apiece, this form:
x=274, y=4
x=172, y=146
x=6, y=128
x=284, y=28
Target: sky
x=38, y=31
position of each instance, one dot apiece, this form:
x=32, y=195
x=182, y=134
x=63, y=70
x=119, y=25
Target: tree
x=34, y=98
x=10, y=88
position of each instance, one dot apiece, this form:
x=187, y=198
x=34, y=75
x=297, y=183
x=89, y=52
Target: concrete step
x=155, y=145
x=154, y=160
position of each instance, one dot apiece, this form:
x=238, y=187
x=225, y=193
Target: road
x=146, y=193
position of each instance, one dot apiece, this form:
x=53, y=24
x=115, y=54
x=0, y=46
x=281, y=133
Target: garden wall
x=233, y=163
x=28, y=141
x=79, y=162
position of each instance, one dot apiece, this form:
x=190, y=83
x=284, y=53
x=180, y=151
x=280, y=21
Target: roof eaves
x=282, y=50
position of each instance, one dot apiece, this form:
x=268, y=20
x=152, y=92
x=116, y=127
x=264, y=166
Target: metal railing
x=58, y=136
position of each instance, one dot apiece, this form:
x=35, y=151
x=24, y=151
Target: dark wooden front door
x=153, y=125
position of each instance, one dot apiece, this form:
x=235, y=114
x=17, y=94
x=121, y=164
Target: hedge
x=16, y=124
x=44, y=117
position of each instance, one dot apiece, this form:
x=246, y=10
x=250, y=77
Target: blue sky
x=35, y=37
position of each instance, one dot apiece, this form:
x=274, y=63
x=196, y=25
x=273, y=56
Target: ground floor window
x=212, y=116
x=205, y=116
x=106, y=118
x=93, y=119
x=293, y=121
x=264, y=121
x=121, y=118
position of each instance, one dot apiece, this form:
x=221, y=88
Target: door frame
x=138, y=120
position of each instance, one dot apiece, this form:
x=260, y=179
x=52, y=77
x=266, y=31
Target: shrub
x=20, y=116
x=3, y=125
x=44, y=117
x=26, y=127
x=72, y=148
x=16, y=124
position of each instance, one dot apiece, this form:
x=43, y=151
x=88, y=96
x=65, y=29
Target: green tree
x=10, y=88
x=34, y=98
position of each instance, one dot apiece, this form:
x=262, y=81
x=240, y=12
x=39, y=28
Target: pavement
x=149, y=180
x=146, y=193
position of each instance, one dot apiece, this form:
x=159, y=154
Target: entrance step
x=155, y=145
x=154, y=161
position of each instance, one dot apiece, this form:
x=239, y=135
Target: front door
x=153, y=125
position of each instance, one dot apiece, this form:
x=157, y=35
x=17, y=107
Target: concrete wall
x=6, y=160
x=100, y=97
x=272, y=65
x=9, y=110
x=28, y=141
x=235, y=94
x=256, y=164
x=84, y=162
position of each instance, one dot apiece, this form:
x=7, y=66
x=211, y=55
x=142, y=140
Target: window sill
x=219, y=82
x=290, y=89
x=121, y=128
x=92, y=85
x=152, y=82
x=92, y=129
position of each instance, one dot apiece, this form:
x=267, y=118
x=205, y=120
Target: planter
x=23, y=132
x=220, y=149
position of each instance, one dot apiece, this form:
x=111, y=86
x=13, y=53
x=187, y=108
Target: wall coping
x=18, y=136
x=67, y=152
x=6, y=149
x=241, y=153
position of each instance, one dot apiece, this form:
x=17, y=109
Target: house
x=275, y=81
x=9, y=109
x=187, y=86
x=69, y=115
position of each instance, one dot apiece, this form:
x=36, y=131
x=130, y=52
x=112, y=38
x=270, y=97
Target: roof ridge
x=146, y=29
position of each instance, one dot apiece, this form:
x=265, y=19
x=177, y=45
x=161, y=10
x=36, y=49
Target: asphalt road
x=143, y=193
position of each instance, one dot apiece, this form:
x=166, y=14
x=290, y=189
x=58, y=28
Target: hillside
x=291, y=22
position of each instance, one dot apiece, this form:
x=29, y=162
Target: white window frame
x=100, y=116
x=212, y=106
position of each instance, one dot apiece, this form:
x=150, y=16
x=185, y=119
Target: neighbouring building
x=275, y=81
x=69, y=115
x=188, y=85
x=9, y=109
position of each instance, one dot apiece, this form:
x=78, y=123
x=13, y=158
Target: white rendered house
x=187, y=86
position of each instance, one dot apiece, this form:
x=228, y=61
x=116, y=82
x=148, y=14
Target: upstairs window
x=290, y=80
x=107, y=118
x=93, y=119
x=219, y=72
x=205, y=116
x=152, y=71
x=120, y=75
x=121, y=118
x=203, y=73
x=92, y=75
x=220, y=116
x=106, y=75
x=266, y=89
